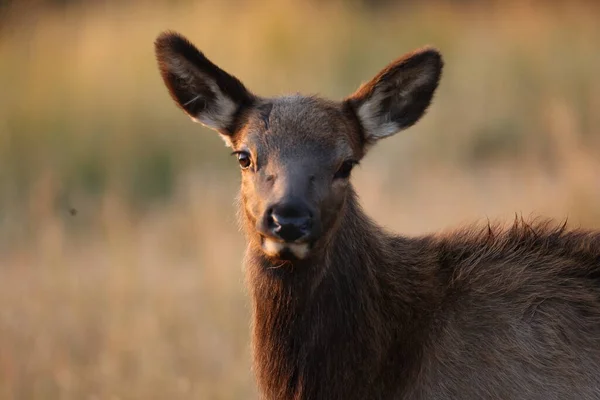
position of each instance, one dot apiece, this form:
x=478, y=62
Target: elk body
x=343, y=309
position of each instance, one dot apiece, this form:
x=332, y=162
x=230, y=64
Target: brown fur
x=478, y=313
x=481, y=313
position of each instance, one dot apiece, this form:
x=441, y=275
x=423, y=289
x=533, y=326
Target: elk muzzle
x=288, y=228
x=289, y=222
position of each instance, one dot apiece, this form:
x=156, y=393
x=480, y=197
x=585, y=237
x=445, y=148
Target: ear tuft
x=204, y=91
x=399, y=95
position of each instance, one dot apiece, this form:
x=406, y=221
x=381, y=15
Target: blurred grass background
x=140, y=294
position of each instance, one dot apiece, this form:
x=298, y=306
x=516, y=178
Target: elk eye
x=244, y=159
x=344, y=171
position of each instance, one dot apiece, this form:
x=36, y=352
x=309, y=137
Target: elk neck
x=338, y=307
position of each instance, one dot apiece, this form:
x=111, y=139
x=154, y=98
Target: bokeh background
x=120, y=257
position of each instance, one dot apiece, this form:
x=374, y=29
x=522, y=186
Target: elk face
x=296, y=153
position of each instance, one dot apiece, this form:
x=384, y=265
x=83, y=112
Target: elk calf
x=342, y=309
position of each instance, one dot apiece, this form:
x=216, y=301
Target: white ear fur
x=399, y=95
x=376, y=124
x=223, y=108
x=205, y=92
x=222, y=112
x=226, y=139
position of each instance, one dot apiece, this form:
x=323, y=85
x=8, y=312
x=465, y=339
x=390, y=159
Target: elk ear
x=398, y=96
x=204, y=91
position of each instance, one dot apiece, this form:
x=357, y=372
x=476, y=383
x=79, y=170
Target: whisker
x=191, y=101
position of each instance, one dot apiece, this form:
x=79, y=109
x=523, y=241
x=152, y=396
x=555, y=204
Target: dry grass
x=140, y=294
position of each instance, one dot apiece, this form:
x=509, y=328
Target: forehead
x=299, y=125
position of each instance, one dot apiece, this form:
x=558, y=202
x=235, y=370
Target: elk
x=342, y=309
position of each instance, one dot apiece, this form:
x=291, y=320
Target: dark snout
x=290, y=221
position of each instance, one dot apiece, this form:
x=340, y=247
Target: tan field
x=120, y=256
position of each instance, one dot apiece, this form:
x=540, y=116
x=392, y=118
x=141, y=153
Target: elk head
x=296, y=152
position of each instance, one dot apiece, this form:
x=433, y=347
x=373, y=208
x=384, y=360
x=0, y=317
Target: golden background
x=120, y=257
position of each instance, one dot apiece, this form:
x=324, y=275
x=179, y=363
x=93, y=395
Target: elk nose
x=290, y=222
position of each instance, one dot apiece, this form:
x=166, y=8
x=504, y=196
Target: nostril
x=305, y=223
x=271, y=220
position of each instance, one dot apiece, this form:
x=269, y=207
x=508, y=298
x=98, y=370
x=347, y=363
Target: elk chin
x=285, y=251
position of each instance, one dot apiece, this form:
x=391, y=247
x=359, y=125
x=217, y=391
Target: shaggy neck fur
x=339, y=308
